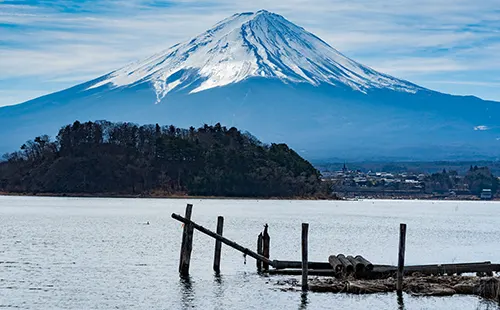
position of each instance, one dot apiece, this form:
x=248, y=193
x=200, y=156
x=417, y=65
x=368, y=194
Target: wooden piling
x=305, y=265
x=259, y=251
x=187, y=243
x=218, y=244
x=266, y=243
x=401, y=258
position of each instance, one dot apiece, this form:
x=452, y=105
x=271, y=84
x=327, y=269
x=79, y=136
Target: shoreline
x=181, y=196
x=156, y=196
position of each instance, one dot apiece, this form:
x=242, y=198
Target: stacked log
x=348, y=267
x=366, y=264
x=358, y=266
x=336, y=264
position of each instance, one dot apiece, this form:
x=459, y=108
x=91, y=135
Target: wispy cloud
x=57, y=43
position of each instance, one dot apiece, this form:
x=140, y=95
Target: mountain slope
x=262, y=73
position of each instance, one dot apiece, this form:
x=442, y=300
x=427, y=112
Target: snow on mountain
x=246, y=45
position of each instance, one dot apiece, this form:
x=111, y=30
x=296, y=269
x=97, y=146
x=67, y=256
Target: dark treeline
x=475, y=180
x=123, y=158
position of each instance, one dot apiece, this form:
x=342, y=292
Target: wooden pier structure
x=339, y=266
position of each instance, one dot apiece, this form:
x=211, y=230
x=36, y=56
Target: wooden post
x=187, y=243
x=218, y=244
x=259, y=251
x=498, y=292
x=266, y=243
x=401, y=258
x=305, y=263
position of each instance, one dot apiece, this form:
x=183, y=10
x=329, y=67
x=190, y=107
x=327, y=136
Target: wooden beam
x=224, y=240
x=401, y=258
x=218, y=244
x=305, y=266
x=285, y=264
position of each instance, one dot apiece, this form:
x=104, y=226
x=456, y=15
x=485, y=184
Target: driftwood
x=417, y=286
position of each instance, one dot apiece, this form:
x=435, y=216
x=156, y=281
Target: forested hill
x=123, y=158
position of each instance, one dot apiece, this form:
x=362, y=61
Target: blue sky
x=451, y=46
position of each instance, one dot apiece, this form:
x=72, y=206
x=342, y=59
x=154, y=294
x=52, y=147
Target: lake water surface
x=93, y=253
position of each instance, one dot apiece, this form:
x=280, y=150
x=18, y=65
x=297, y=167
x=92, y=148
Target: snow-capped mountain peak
x=246, y=45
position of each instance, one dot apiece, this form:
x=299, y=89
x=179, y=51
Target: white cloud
x=481, y=128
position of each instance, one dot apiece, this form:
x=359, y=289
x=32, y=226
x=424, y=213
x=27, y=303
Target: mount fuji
x=261, y=73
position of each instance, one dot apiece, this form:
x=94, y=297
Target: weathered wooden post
x=218, y=244
x=187, y=243
x=401, y=258
x=266, y=243
x=305, y=262
x=498, y=292
x=259, y=251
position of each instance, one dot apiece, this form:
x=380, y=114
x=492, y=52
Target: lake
x=98, y=253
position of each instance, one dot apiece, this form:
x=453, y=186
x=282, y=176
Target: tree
x=105, y=157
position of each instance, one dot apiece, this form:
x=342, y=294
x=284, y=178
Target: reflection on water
x=79, y=253
x=487, y=305
x=303, y=301
x=401, y=303
x=218, y=289
x=187, y=292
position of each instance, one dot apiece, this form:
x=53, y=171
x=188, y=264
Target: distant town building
x=486, y=194
x=344, y=169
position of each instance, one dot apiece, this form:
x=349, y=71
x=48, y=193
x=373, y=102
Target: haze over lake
x=96, y=253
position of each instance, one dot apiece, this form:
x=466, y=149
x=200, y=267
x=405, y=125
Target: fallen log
x=298, y=272
x=450, y=269
x=283, y=264
x=438, y=269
